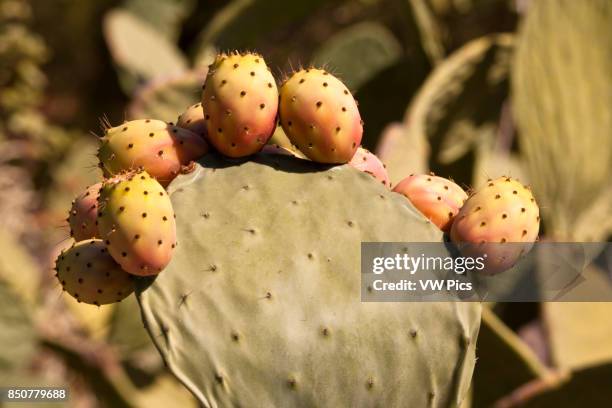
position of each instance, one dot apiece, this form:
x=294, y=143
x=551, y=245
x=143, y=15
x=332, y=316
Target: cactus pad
x=261, y=304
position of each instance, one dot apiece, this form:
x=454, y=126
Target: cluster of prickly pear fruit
x=130, y=214
x=501, y=220
x=439, y=199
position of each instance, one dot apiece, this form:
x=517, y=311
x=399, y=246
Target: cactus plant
x=242, y=320
x=140, y=51
x=562, y=97
x=165, y=98
x=372, y=44
x=459, y=105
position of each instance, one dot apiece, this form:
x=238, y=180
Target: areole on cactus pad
x=261, y=303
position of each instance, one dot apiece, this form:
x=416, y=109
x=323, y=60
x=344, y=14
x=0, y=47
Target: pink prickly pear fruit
x=240, y=101
x=84, y=214
x=439, y=199
x=193, y=119
x=136, y=221
x=499, y=222
x=320, y=116
x=156, y=146
x=89, y=274
x=367, y=162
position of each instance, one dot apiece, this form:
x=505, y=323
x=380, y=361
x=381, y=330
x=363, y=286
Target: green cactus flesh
x=261, y=304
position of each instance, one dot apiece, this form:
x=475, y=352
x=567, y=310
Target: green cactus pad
x=261, y=303
x=562, y=93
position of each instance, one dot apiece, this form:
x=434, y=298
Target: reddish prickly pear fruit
x=366, y=161
x=84, y=213
x=240, y=102
x=193, y=119
x=501, y=221
x=439, y=199
x=158, y=147
x=320, y=116
x=136, y=221
x=89, y=274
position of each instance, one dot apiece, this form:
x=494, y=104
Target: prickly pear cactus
x=261, y=303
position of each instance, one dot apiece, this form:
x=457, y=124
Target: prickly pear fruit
x=136, y=220
x=439, y=199
x=193, y=119
x=240, y=102
x=84, y=213
x=320, y=116
x=501, y=221
x=89, y=274
x=158, y=147
x=366, y=161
